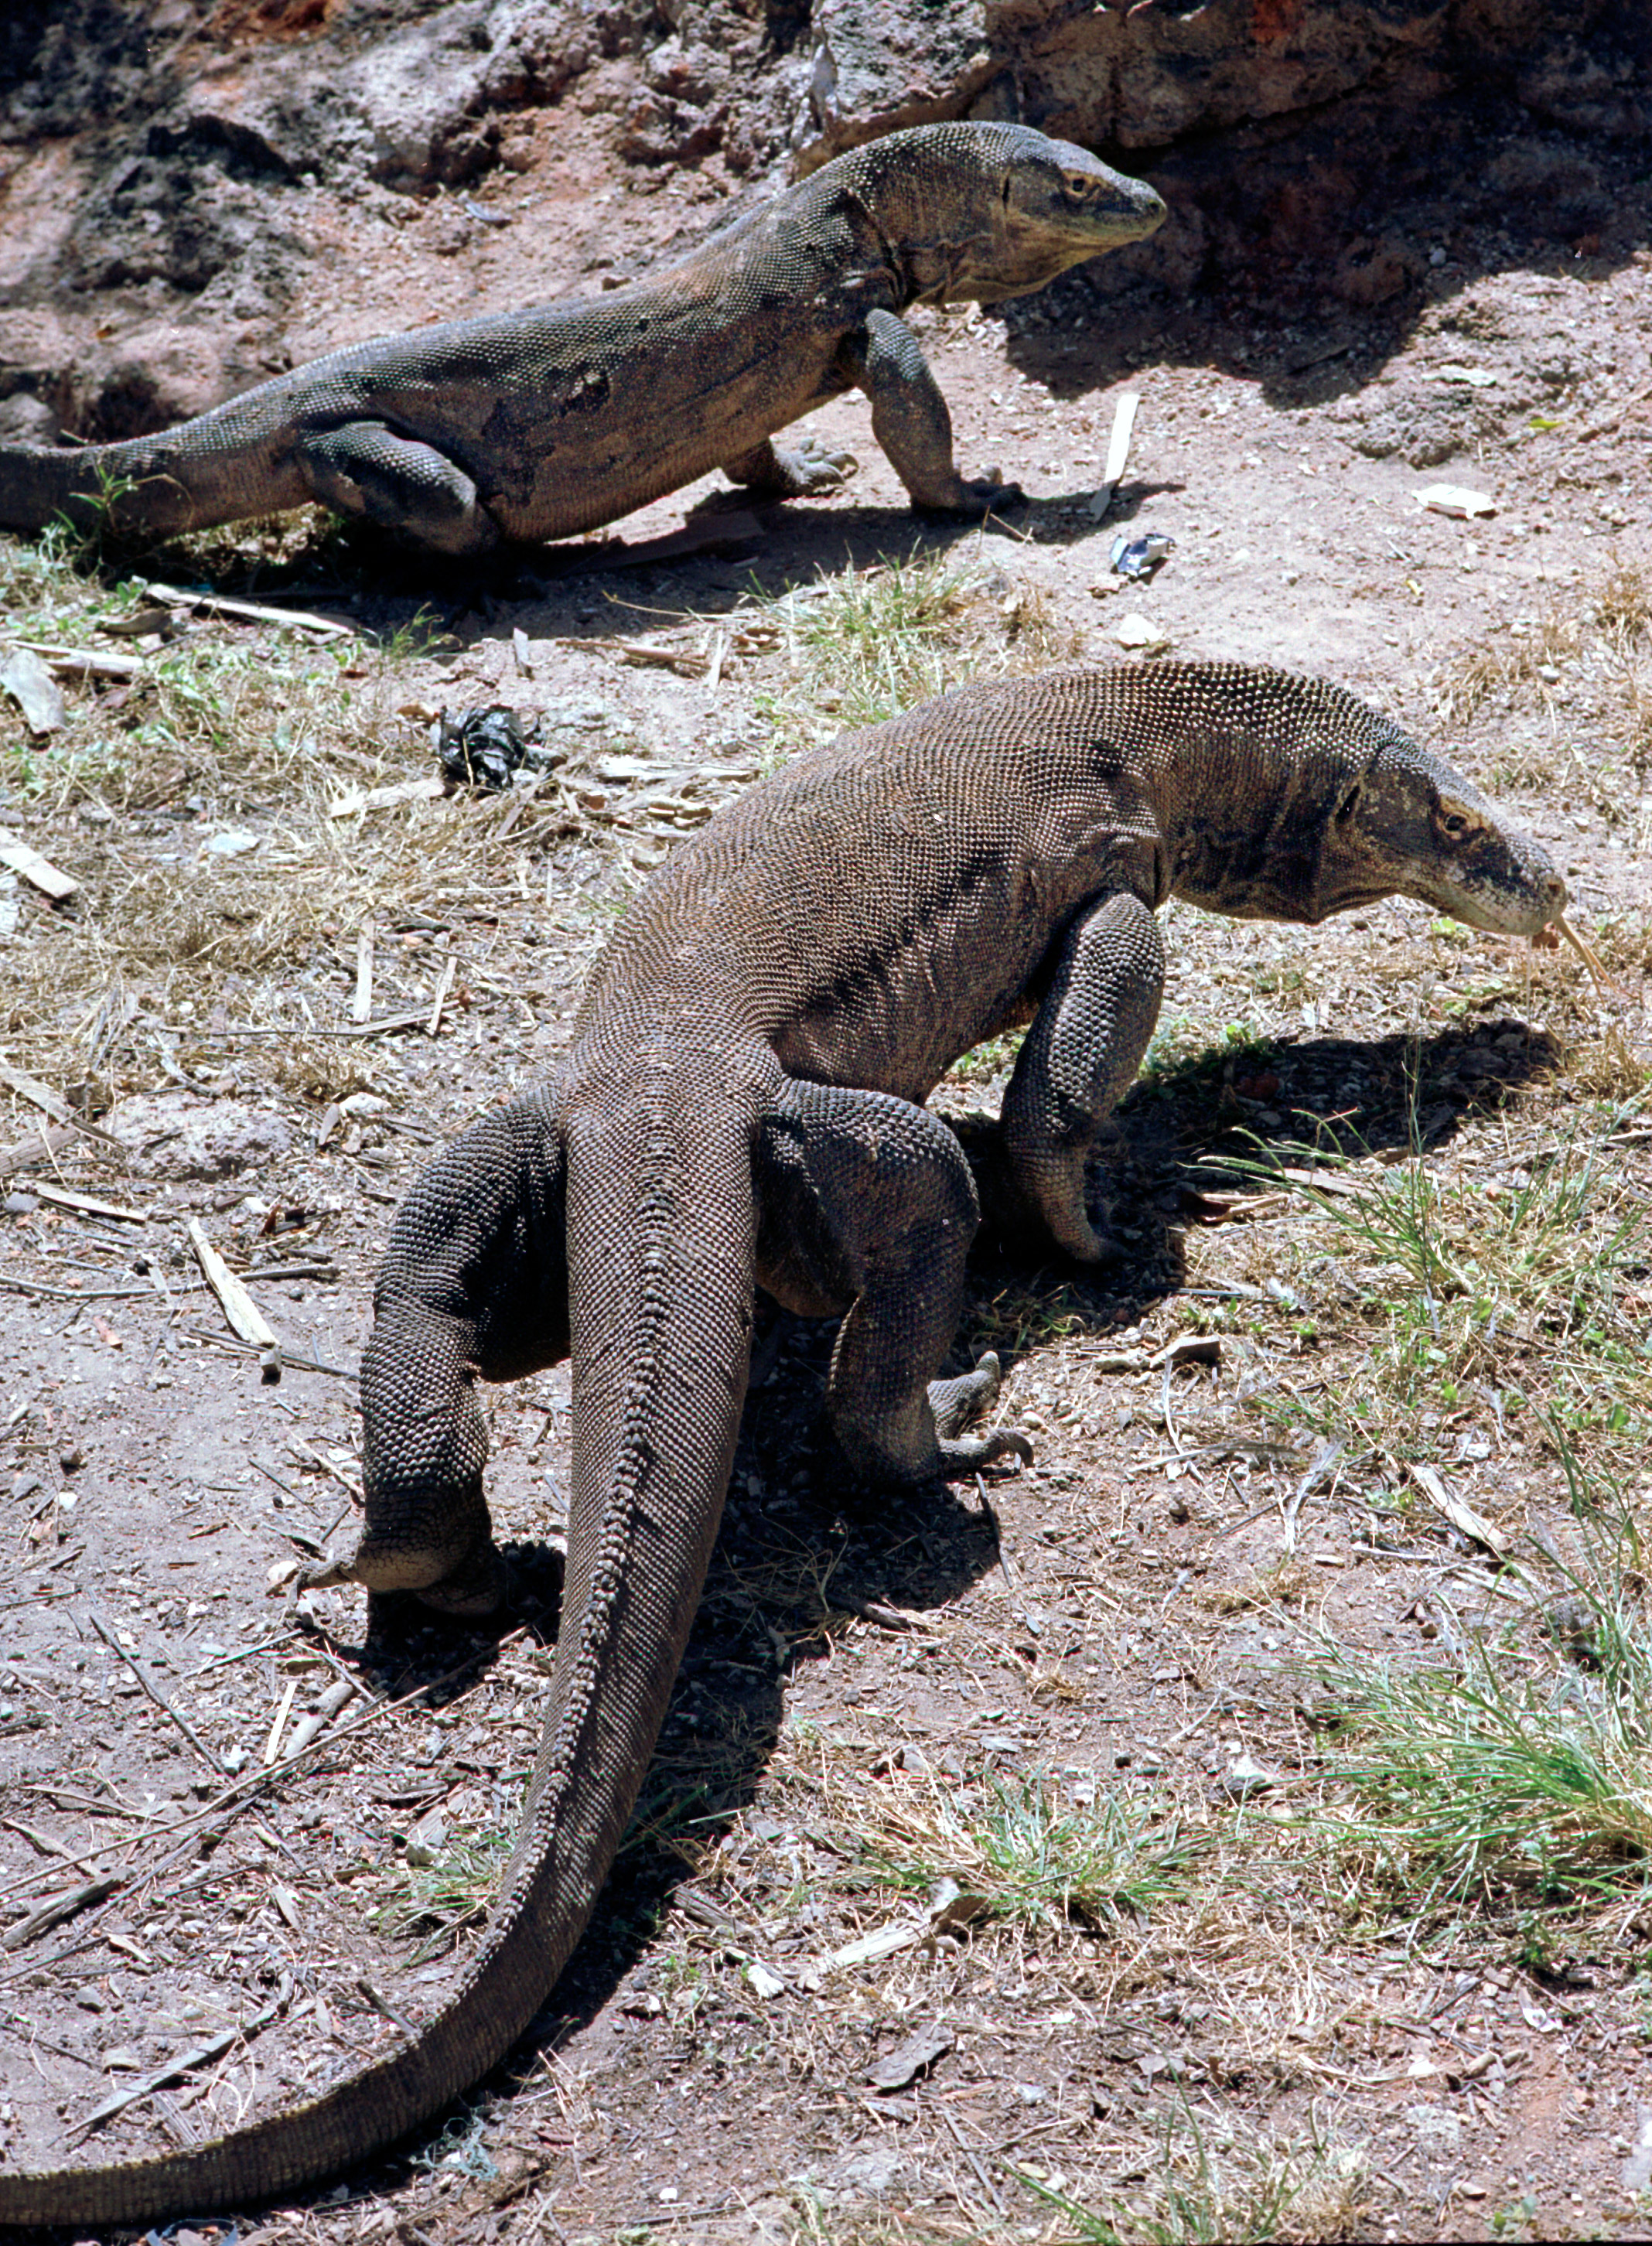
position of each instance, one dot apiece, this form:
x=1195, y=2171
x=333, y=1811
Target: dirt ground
x=1132, y=1625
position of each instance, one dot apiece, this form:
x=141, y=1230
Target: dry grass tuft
x=1213, y=2178
x=1522, y=1765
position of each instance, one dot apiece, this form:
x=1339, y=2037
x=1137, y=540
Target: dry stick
x=87, y=1204
x=88, y=1294
x=184, y=2062
x=985, y=2180
x=239, y=1307
x=1587, y=953
x=362, y=1004
x=443, y=985
x=246, y=1349
x=38, y=1094
x=272, y=1745
x=38, y=1147
x=156, y=1694
x=220, y=604
x=235, y=1798
x=56, y=1908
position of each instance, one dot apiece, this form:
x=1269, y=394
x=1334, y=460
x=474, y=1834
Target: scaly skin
x=742, y=1107
x=529, y=426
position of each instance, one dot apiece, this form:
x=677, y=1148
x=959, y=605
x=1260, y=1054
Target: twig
x=55, y=1909
x=362, y=1004
x=87, y=1204
x=1324, y=1461
x=1587, y=954
x=382, y=2004
x=248, y=1349
x=87, y=1294
x=156, y=1694
x=450, y=968
x=38, y=1094
x=873, y=1611
x=200, y=2054
x=985, y=2180
x=235, y=1798
x=239, y=1307
x=220, y=604
x=272, y=1746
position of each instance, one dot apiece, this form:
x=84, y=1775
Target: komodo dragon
x=742, y=1107
x=535, y=424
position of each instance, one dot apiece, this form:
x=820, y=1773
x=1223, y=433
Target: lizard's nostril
x=1555, y=893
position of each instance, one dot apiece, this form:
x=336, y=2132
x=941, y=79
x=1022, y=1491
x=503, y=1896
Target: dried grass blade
x=1587, y=953
x=23, y=859
x=87, y=1204
x=38, y=1094
x=1462, y=1517
x=362, y=1004
x=243, y=1314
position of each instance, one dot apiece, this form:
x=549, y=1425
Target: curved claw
x=963, y=1456
x=973, y=496
x=810, y=466
x=823, y=468
x=955, y=1402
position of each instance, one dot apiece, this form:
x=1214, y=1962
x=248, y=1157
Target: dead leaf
x=902, y=2066
x=32, y=687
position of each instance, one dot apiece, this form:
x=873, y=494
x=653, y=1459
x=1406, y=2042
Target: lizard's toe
x=954, y=1403
x=821, y=468
x=970, y=1451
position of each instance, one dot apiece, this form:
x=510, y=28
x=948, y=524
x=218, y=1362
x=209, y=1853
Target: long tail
x=661, y=1245
x=223, y=466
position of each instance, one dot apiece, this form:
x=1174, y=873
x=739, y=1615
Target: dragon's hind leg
x=364, y=468
x=474, y=1285
x=867, y=1209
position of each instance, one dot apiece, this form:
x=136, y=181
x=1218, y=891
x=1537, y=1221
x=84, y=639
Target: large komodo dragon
x=529, y=426
x=741, y=1107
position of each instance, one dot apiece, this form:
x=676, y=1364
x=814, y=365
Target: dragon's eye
x=1079, y=183
x=1454, y=823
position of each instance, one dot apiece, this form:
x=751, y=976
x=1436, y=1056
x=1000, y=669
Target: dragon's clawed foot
x=955, y=1402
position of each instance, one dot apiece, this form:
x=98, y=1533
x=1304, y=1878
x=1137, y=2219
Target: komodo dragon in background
x=741, y=1107
x=536, y=425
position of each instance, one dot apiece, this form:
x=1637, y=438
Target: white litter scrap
x=1455, y=499
x=1135, y=632
x=32, y=687
x=1124, y=421
x=23, y=859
